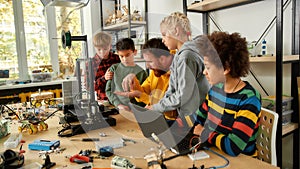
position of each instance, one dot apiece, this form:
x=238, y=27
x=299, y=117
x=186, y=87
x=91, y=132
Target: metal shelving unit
x=127, y=25
x=124, y=25
x=285, y=59
x=213, y=5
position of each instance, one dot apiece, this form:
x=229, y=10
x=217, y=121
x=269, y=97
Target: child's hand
x=129, y=82
x=131, y=94
x=123, y=107
x=108, y=75
x=148, y=107
x=198, y=129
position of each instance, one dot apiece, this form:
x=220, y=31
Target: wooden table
x=127, y=128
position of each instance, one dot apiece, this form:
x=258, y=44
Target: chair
x=265, y=141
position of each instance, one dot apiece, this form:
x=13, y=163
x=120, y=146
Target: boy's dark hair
x=156, y=47
x=125, y=44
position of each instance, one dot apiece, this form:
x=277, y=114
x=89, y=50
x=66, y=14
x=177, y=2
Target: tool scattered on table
x=85, y=139
x=48, y=164
x=45, y=156
x=128, y=140
x=56, y=151
x=79, y=159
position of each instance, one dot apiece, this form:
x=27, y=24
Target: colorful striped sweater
x=231, y=119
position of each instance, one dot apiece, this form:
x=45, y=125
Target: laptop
x=173, y=137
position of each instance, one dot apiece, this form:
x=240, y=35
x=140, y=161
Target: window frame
x=20, y=39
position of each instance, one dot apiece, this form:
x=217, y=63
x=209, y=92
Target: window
x=25, y=41
x=8, y=54
x=37, y=46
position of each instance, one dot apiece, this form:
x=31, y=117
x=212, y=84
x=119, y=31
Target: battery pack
x=44, y=145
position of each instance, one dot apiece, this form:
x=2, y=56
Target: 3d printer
x=89, y=112
x=85, y=106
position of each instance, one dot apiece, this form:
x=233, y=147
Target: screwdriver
x=86, y=139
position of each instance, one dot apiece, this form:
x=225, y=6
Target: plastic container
x=270, y=103
x=114, y=143
x=251, y=48
x=287, y=117
x=41, y=77
x=13, y=141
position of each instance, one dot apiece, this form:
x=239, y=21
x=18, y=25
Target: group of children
x=201, y=82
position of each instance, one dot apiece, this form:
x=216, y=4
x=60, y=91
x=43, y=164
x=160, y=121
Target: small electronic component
x=106, y=151
x=102, y=134
x=118, y=161
x=198, y=155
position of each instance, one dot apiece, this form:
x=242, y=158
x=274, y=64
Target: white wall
x=251, y=20
x=157, y=10
x=166, y=7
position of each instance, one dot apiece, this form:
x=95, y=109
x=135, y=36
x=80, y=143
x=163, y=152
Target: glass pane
x=8, y=52
x=68, y=19
x=37, y=44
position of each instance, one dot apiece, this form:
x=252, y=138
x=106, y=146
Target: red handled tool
x=79, y=159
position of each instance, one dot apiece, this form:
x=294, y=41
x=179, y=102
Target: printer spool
x=67, y=39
